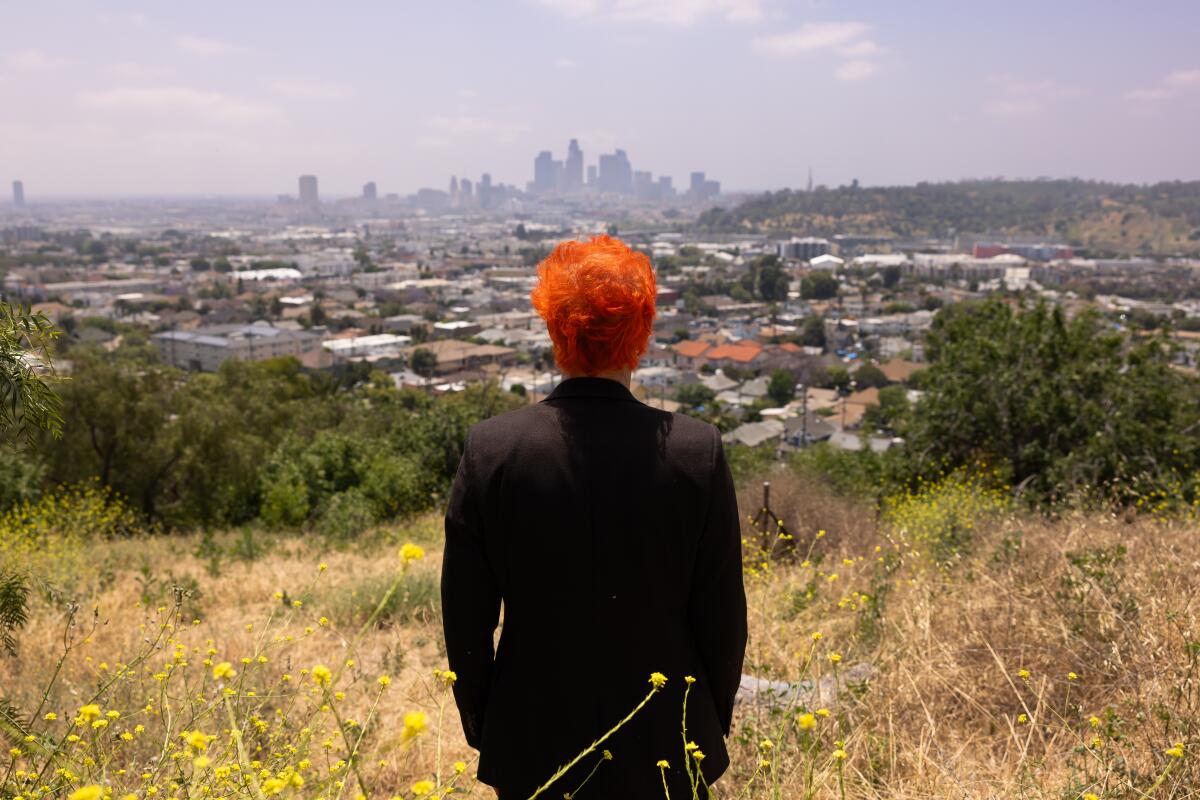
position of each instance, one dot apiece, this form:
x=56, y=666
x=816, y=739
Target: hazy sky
x=242, y=97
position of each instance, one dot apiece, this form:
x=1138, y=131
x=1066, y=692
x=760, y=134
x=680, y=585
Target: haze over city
x=225, y=98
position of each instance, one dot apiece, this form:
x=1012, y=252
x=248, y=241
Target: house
x=718, y=382
x=754, y=434
x=690, y=352
x=832, y=263
x=454, y=355
x=898, y=370
x=864, y=397
x=755, y=389
x=801, y=431
x=742, y=354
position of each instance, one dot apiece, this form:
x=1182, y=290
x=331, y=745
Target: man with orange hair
x=610, y=533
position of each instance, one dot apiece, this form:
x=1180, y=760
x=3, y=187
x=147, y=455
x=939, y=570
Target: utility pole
x=803, y=414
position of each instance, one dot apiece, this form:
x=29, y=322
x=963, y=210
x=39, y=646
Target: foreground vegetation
x=226, y=585
x=1009, y=655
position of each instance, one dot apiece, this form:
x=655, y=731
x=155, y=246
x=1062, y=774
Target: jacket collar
x=590, y=387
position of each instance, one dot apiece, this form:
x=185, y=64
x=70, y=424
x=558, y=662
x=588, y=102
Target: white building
x=379, y=344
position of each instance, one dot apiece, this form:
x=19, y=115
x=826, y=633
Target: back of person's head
x=597, y=299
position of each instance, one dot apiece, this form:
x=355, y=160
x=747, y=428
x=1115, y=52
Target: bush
x=346, y=515
x=1064, y=407
x=939, y=520
x=416, y=598
x=49, y=537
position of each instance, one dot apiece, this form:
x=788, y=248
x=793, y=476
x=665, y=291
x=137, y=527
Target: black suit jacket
x=609, y=530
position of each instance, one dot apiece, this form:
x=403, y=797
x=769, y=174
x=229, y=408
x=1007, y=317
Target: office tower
x=703, y=189
x=369, y=191
x=453, y=190
x=485, y=191
x=615, y=174
x=18, y=194
x=543, y=172
x=665, y=189
x=810, y=179
x=547, y=173
x=465, y=194
x=643, y=185
x=591, y=175
x=308, y=190
x=573, y=177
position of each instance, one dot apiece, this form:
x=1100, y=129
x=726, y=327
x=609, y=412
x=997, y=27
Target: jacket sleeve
x=470, y=600
x=717, y=604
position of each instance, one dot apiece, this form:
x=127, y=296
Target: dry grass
x=941, y=718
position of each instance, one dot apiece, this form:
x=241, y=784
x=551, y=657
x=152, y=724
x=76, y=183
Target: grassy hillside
x=1101, y=218
x=1013, y=656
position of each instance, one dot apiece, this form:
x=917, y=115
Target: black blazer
x=610, y=532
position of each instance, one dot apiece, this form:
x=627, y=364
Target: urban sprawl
x=785, y=340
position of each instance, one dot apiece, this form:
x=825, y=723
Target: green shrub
x=416, y=599
x=346, y=515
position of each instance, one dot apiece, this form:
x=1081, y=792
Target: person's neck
x=621, y=376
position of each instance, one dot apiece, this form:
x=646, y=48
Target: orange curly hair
x=597, y=299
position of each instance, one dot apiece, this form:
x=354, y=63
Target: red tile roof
x=733, y=352
x=690, y=348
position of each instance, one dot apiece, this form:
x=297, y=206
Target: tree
x=818, y=286
x=870, y=375
x=424, y=362
x=812, y=334
x=27, y=403
x=782, y=387
x=695, y=396
x=1060, y=406
x=889, y=414
x=838, y=377
x=770, y=279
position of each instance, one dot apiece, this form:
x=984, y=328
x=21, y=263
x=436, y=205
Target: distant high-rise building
x=665, y=189
x=573, y=175
x=18, y=194
x=465, y=193
x=308, y=190
x=453, y=190
x=369, y=191
x=591, y=175
x=544, y=179
x=643, y=185
x=702, y=189
x=485, y=191
x=810, y=179
x=615, y=173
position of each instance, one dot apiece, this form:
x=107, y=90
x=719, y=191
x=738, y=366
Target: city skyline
x=228, y=101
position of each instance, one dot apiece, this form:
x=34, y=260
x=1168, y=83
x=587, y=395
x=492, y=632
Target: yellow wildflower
x=410, y=552
x=658, y=680
x=321, y=675
x=414, y=723
x=423, y=787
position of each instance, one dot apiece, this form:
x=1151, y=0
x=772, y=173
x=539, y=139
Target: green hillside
x=1102, y=219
